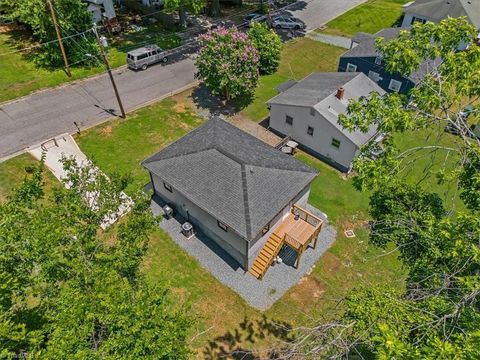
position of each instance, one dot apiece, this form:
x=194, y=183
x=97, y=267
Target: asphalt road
x=30, y=120
x=52, y=112
x=316, y=13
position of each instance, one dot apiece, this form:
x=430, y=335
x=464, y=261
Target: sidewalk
x=339, y=41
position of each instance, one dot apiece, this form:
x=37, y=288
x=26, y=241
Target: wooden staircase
x=266, y=256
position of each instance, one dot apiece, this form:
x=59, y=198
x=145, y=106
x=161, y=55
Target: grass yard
x=14, y=171
x=425, y=164
x=19, y=76
x=370, y=17
x=120, y=146
x=348, y=263
x=300, y=58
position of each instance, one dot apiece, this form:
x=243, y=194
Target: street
x=48, y=113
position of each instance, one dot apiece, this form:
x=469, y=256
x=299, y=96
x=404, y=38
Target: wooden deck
x=297, y=231
x=300, y=230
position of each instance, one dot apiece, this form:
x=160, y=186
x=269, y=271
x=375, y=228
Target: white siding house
x=308, y=113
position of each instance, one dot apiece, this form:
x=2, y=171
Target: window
x=312, y=111
x=265, y=229
x=416, y=19
x=351, y=67
x=143, y=56
x=335, y=143
x=167, y=186
x=374, y=75
x=378, y=60
x=222, y=226
x=310, y=131
x=395, y=85
x=289, y=120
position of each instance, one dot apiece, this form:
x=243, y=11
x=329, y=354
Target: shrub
x=269, y=47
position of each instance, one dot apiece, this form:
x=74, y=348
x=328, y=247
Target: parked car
x=147, y=55
x=247, y=20
x=287, y=22
x=475, y=131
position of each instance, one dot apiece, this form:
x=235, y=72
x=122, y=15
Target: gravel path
x=339, y=41
x=259, y=294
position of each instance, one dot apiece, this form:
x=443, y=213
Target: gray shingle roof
x=312, y=89
x=437, y=10
x=366, y=43
x=318, y=91
x=232, y=175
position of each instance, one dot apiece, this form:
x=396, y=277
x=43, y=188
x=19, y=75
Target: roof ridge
x=248, y=224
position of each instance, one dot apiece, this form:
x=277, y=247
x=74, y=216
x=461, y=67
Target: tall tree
x=437, y=315
x=68, y=293
x=73, y=18
x=228, y=63
x=182, y=6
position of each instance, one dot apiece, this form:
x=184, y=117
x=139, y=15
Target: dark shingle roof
x=313, y=89
x=437, y=10
x=232, y=175
x=368, y=49
x=366, y=43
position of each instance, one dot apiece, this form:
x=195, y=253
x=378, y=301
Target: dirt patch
x=308, y=288
x=330, y=262
x=247, y=125
x=107, y=130
x=180, y=293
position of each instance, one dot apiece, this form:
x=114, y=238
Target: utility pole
x=107, y=65
x=59, y=37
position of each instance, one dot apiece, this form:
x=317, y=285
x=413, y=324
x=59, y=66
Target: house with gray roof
x=308, y=113
x=437, y=10
x=230, y=185
x=364, y=56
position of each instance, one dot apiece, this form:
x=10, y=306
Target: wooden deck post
x=299, y=255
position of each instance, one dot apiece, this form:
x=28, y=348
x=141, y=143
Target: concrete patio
x=260, y=294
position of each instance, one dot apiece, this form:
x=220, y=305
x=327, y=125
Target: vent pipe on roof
x=340, y=93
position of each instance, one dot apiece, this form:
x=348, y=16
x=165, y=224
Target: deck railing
x=306, y=216
x=292, y=242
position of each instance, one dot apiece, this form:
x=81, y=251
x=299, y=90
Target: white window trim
x=375, y=76
x=351, y=65
x=378, y=60
x=393, y=81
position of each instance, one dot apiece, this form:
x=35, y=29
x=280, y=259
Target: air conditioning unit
x=167, y=211
x=187, y=230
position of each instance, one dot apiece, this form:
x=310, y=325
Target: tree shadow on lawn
x=234, y=344
x=206, y=101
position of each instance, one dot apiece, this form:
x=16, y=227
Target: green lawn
x=300, y=58
x=370, y=17
x=14, y=171
x=119, y=146
x=423, y=165
x=19, y=76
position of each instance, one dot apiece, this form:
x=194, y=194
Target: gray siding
x=255, y=246
x=323, y=133
x=230, y=241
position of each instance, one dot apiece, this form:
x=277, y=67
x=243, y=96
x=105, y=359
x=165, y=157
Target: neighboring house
x=101, y=10
x=230, y=185
x=364, y=57
x=437, y=10
x=308, y=112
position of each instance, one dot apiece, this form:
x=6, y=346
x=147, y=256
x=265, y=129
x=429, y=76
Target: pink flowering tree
x=228, y=63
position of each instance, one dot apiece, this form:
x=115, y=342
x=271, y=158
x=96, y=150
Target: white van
x=142, y=57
